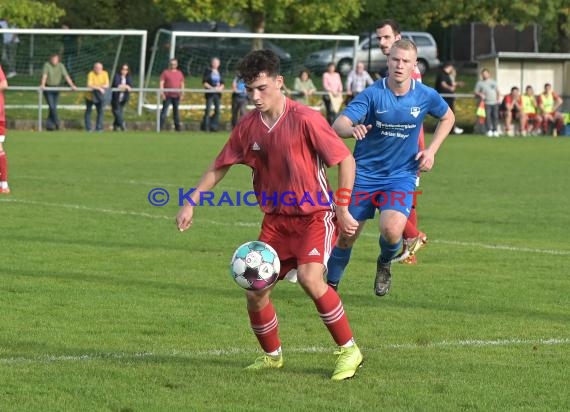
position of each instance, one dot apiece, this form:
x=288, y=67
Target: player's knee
x=312, y=283
x=257, y=299
x=392, y=233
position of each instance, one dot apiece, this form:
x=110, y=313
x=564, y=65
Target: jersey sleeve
x=438, y=106
x=328, y=145
x=232, y=153
x=358, y=109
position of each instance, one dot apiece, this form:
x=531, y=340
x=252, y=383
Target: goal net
x=24, y=58
x=195, y=49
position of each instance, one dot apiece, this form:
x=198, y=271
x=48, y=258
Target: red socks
x=265, y=326
x=332, y=313
x=411, y=229
x=3, y=167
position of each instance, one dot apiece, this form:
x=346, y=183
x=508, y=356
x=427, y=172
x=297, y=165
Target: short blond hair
x=405, y=44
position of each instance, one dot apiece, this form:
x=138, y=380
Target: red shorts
x=300, y=239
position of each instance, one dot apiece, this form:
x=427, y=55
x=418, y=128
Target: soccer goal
x=79, y=49
x=195, y=49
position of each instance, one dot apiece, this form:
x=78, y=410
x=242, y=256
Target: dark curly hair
x=257, y=62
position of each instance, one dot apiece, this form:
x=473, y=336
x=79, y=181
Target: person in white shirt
x=357, y=80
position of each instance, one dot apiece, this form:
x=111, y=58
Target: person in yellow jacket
x=531, y=119
x=98, y=82
x=549, y=102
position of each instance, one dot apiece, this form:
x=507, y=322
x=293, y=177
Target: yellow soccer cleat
x=266, y=362
x=349, y=360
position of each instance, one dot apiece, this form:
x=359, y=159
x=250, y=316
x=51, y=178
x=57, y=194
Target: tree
x=291, y=16
x=30, y=13
x=112, y=14
x=552, y=15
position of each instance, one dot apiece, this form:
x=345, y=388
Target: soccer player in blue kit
x=386, y=119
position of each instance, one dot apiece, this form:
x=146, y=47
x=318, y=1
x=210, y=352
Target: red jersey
x=509, y=100
x=2, y=112
x=287, y=160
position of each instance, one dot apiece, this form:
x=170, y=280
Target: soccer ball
x=255, y=266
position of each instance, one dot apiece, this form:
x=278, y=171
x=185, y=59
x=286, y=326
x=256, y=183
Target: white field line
x=252, y=224
x=121, y=212
x=503, y=247
x=492, y=246
x=472, y=343
x=151, y=185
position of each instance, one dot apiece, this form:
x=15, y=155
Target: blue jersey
x=389, y=149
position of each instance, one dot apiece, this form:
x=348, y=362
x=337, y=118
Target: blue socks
x=388, y=251
x=339, y=258
x=338, y=261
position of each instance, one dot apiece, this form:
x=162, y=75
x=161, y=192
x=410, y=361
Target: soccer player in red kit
x=3, y=161
x=288, y=145
x=387, y=32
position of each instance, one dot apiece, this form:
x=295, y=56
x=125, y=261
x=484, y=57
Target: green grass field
x=105, y=306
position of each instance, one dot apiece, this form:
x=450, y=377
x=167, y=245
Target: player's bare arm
x=346, y=172
x=444, y=126
x=344, y=128
x=208, y=181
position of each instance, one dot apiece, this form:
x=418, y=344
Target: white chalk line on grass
x=251, y=224
x=121, y=212
x=151, y=185
x=491, y=246
x=309, y=349
x=503, y=247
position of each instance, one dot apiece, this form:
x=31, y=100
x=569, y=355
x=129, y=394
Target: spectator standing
x=10, y=49
x=53, y=73
x=304, y=87
x=98, y=82
x=486, y=90
x=332, y=84
x=119, y=99
x=445, y=83
x=357, y=80
x=213, y=82
x=239, y=100
x=171, y=78
x=4, y=189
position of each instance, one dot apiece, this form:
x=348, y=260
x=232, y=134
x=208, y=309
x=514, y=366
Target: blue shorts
x=395, y=195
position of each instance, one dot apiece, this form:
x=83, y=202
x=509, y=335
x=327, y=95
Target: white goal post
x=113, y=47
x=276, y=36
